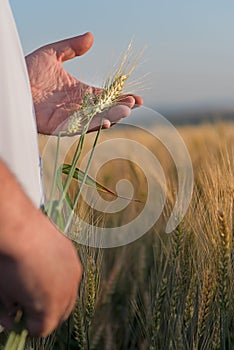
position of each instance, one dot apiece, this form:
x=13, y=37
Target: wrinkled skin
x=55, y=92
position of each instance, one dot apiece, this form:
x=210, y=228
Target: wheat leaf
x=79, y=176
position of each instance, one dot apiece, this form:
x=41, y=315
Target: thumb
x=72, y=47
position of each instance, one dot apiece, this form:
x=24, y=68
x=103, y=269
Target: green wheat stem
x=16, y=341
x=71, y=173
x=50, y=206
x=75, y=159
x=22, y=340
x=10, y=341
x=83, y=181
x=90, y=108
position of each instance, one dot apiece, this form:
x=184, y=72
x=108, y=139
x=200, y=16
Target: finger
x=41, y=325
x=127, y=101
x=138, y=101
x=118, y=112
x=45, y=322
x=72, y=47
x=114, y=115
x=73, y=296
x=70, y=305
x=97, y=121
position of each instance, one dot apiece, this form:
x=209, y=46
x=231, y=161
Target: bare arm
x=39, y=267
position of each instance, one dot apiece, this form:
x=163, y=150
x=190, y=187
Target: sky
x=188, y=58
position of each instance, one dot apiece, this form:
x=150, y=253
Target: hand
x=55, y=92
x=39, y=267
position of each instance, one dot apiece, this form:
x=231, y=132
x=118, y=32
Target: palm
x=56, y=93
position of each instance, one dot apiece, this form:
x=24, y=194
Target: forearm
x=15, y=208
x=32, y=251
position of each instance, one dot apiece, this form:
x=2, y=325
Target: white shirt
x=18, y=134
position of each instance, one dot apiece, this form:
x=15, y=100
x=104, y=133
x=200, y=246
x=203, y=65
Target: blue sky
x=189, y=56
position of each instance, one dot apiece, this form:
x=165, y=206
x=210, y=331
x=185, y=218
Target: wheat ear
x=224, y=275
x=79, y=327
x=189, y=307
x=93, y=104
x=206, y=301
x=91, y=291
x=224, y=260
x=158, y=309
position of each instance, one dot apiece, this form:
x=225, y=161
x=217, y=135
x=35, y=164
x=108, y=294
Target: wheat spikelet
x=111, y=93
x=79, y=327
x=91, y=107
x=216, y=334
x=206, y=300
x=189, y=248
x=177, y=241
x=223, y=275
x=175, y=298
x=232, y=227
x=176, y=278
x=190, y=303
x=224, y=261
x=91, y=290
x=157, y=311
x=75, y=123
x=93, y=104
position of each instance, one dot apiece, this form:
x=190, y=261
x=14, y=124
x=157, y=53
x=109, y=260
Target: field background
x=162, y=291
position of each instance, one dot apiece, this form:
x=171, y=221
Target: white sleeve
x=18, y=134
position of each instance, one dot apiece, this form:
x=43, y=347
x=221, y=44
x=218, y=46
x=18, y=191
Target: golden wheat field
x=163, y=291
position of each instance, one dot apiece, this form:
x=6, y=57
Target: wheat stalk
x=91, y=290
x=189, y=307
x=93, y=104
x=177, y=241
x=224, y=260
x=216, y=333
x=204, y=309
x=224, y=274
x=79, y=327
x=156, y=321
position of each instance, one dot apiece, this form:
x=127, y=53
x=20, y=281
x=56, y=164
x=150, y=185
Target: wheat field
x=163, y=291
